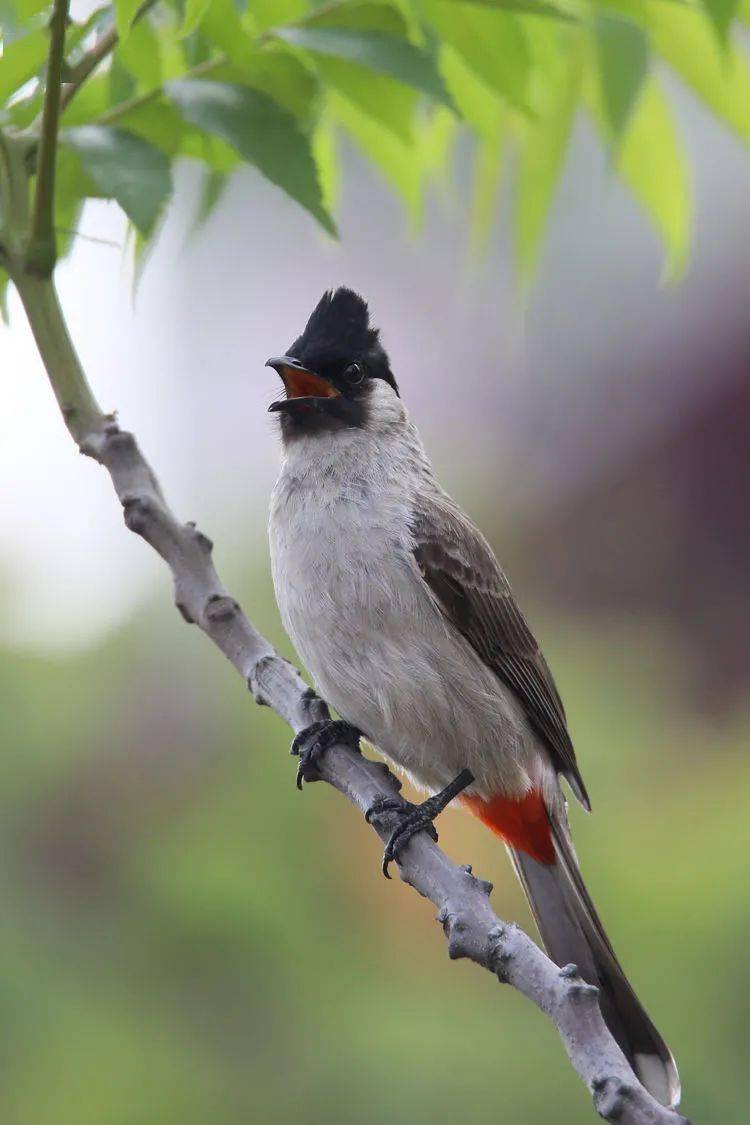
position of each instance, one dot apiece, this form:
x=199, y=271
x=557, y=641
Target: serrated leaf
x=21, y=60
x=278, y=72
x=652, y=162
x=622, y=57
x=374, y=50
x=543, y=147
x=161, y=125
x=491, y=42
x=264, y=134
x=125, y=11
x=125, y=168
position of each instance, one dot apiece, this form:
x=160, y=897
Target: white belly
x=378, y=648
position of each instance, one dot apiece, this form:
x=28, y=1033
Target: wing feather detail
x=458, y=565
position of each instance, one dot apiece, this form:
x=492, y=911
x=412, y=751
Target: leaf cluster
x=277, y=84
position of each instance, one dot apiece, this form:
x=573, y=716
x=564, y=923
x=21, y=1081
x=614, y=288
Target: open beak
x=302, y=386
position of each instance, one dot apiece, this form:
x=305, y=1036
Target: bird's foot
x=312, y=742
x=415, y=818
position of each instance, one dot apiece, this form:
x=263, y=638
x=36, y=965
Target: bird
x=402, y=615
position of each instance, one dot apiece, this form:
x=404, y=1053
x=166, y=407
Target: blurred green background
x=187, y=938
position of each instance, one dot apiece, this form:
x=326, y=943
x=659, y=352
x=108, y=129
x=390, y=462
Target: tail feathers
x=572, y=932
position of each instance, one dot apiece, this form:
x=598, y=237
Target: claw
x=312, y=742
x=416, y=818
x=387, y=804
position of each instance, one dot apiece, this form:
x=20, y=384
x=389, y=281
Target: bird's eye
x=354, y=373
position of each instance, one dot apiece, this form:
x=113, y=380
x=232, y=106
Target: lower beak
x=299, y=383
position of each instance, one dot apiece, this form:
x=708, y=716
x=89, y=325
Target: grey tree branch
x=471, y=927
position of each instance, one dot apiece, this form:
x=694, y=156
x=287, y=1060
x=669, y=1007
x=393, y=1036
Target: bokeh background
x=185, y=937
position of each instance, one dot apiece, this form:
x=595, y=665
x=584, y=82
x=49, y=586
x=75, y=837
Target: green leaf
x=222, y=26
x=374, y=50
x=363, y=16
x=125, y=168
x=720, y=77
x=387, y=101
x=721, y=13
x=622, y=56
x=491, y=42
x=212, y=188
x=92, y=100
x=195, y=10
x=523, y=7
x=125, y=11
x=395, y=160
x=478, y=105
x=280, y=73
x=686, y=39
x=261, y=131
x=4, y=283
x=140, y=55
x=328, y=164
x=652, y=162
x=268, y=13
x=73, y=186
x=544, y=145
x=21, y=60
x=161, y=125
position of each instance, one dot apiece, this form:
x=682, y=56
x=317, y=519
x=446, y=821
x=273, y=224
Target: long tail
x=545, y=862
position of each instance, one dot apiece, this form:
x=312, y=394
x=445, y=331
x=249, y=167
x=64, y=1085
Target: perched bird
x=400, y=611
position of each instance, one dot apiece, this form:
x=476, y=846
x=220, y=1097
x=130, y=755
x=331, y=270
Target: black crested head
x=330, y=371
x=338, y=333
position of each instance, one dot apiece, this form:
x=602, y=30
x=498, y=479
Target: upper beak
x=298, y=381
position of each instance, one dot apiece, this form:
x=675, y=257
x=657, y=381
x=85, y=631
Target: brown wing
x=458, y=565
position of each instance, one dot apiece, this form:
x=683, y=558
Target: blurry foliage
x=278, y=84
x=174, y=947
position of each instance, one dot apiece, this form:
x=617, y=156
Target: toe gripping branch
x=312, y=742
x=415, y=818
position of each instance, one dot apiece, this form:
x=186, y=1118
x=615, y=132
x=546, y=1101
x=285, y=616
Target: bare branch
x=42, y=250
x=471, y=927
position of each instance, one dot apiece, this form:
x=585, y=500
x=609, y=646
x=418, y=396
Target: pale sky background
x=489, y=383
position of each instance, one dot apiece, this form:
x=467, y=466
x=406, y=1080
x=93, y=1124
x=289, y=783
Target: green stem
x=97, y=54
x=81, y=411
x=42, y=249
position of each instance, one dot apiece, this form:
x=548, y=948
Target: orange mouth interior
x=301, y=384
